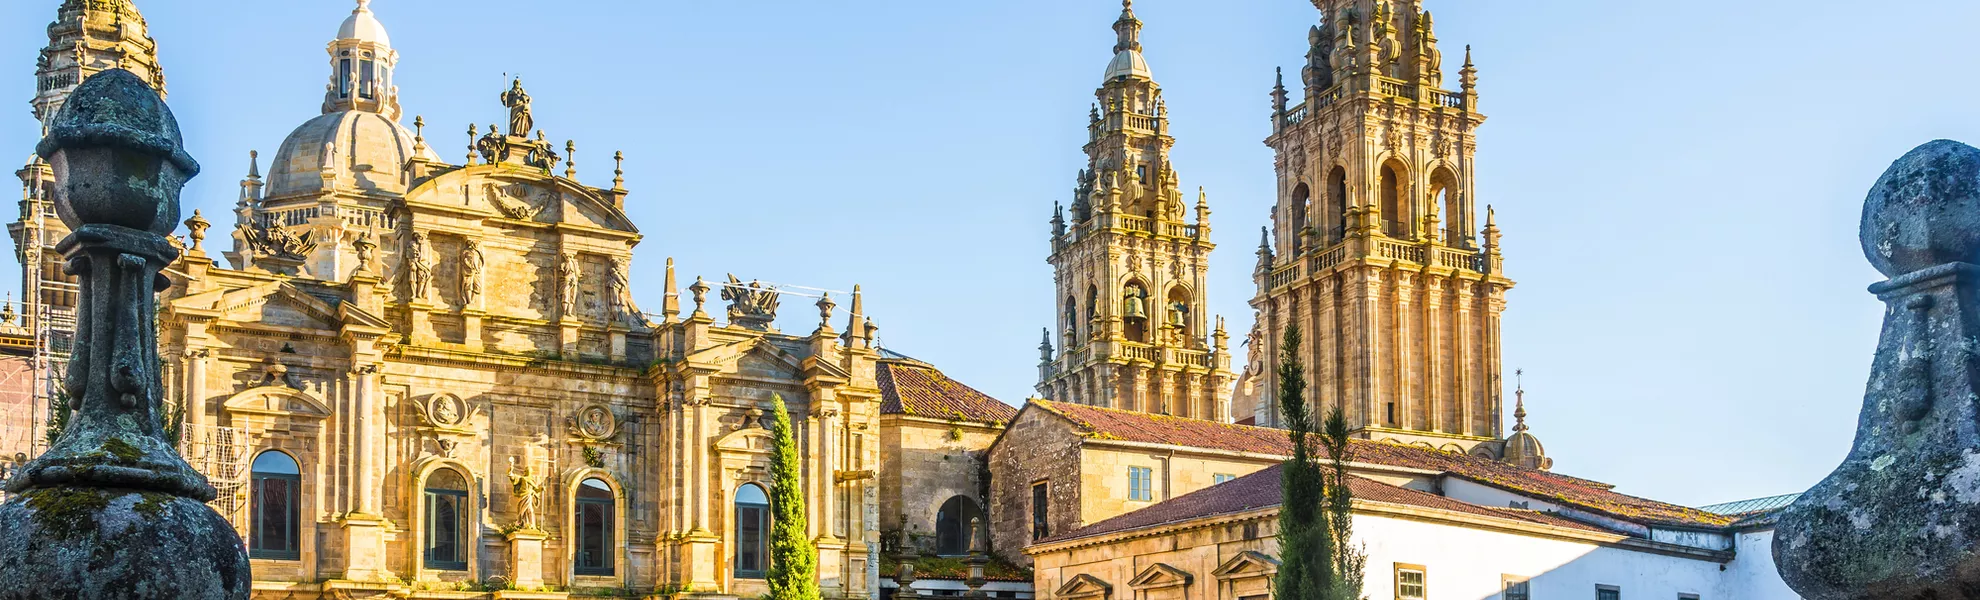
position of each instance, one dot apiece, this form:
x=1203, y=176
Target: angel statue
x=528, y=488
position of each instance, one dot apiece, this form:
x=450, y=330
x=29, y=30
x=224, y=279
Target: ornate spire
x=1519, y=402
x=87, y=38
x=619, y=171
x=1128, y=28
x=1045, y=346
x=362, y=63
x=670, y=307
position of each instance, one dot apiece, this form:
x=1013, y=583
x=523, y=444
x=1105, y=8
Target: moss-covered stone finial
x=111, y=511
x=1900, y=518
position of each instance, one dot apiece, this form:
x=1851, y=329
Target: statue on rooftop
x=520, y=120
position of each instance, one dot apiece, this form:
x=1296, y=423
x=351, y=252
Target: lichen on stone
x=67, y=513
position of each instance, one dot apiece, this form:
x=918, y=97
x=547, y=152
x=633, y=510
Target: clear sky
x=1679, y=181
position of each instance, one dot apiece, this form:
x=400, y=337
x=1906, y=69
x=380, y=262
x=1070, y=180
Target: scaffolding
x=222, y=455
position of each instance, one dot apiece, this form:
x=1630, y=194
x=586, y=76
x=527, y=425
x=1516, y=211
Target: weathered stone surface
x=1900, y=519
x=112, y=511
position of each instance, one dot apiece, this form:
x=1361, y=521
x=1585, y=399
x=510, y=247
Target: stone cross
x=1900, y=518
x=112, y=511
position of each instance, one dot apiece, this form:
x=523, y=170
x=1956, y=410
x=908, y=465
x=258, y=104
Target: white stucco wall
x=1753, y=575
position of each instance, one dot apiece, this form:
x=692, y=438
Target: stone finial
x=366, y=252
x=419, y=133
x=474, y=135
x=570, y=159
x=700, y=291
x=670, y=304
x=825, y=307
x=1896, y=519
x=113, y=488
x=1045, y=346
x=619, y=171
x=196, y=230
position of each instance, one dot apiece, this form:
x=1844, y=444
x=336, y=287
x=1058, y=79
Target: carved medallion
x=595, y=422
x=446, y=410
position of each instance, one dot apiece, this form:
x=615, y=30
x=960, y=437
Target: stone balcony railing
x=1384, y=87
x=1399, y=251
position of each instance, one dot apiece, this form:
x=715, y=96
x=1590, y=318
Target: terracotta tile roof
x=916, y=389
x=1261, y=491
x=1594, y=497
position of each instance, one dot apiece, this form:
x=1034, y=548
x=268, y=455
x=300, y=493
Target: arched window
x=1072, y=323
x=273, y=534
x=752, y=532
x=447, y=513
x=1176, y=313
x=594, y=510
x=1302, y=209
x=1092, y=305
x=1135, y=311
x=1450, y=203
x=952, y=526
x=1393, y=204
x=1337, y=203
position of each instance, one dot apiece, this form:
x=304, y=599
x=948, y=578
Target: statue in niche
x=472, y=262
x=618, y=290
x=418, y=267
x=527, y=486
x=520, y=120
x=568, y=274
x=1135, y=304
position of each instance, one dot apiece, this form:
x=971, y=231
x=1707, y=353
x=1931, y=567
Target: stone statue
x=618, y=290
x=471, y=264
x=276, y=240
x=112, y=488
x=1133, y=305
x=1897, y=519
x=752, y=305
x=418, y=267
x=365, y=250
x=527, y=486
x=568, y=275
x=520, y=120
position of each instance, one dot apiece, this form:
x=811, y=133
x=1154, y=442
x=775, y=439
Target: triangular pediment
x=1084, y=586
x=277, y=401
x=752, y=440
x=1247, y=564
x=276, y=303
x=1160, y=575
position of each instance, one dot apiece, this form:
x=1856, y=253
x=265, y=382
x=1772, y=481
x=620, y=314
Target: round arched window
x=273, y=532
x=752, y=532
x=447, y=513
x=594, y=510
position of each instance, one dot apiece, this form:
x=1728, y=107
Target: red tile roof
x=1261, y=491
x=916, y=389
x=1110, y=424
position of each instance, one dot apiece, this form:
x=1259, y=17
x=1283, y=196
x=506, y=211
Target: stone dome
x=372, y=154
x=1524, y=449
x=1126, y=63
x=363, y=26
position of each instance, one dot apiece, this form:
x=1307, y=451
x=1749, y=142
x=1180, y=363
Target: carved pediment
x=1247, y=564
x=748, y=440
x=273, y=303
x=279, y=401
x=1160, y=575
x=505, y=192
x=1085, y=586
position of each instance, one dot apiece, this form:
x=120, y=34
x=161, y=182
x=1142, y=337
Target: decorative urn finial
x=1900, y=518
x=111, y=511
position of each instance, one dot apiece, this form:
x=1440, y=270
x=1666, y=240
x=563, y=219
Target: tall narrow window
x=952, y=531
x=1517, y=588
x=367, y=79
x=1392, y=202
x=273, y=532
x=752, y=532
x=1412, y=582
x=1141, y=484
x=1608, y=592
x=447, y=513
x=1337, y=203
x=344, y=78
x=595, y=511
x=1041, y=523
x=1302, y=210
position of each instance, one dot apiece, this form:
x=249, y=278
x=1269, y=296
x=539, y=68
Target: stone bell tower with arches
x=1375, y=249
x=1130, y=267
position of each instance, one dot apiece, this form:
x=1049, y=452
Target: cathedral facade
x=411, y=377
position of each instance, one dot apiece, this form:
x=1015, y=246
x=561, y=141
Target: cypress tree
x=1349, y=562
x=793, y=561
x=1306, y=553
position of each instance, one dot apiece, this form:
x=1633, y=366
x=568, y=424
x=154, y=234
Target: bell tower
x=1130, y=267
x=1374, y=247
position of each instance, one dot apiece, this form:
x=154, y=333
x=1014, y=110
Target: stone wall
x=924, y=463
x=1036, y=449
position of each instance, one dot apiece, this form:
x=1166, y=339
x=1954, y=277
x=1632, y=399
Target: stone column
x=113, y=488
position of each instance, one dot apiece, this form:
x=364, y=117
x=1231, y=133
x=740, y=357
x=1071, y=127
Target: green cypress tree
x=1350, y=562
x=1305, y=539
x=793, y=561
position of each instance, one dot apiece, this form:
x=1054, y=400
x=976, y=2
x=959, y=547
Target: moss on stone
x=67, y=513
x=153, y=504
x=124, y=451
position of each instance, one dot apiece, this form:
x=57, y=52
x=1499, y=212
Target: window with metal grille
x=1411, y=582
x=1141, y=484
x=1608, y=592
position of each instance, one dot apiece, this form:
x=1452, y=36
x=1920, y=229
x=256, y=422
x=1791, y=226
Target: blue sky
x=1679, y=181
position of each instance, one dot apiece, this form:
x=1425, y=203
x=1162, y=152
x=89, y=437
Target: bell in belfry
x=1134, y=306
